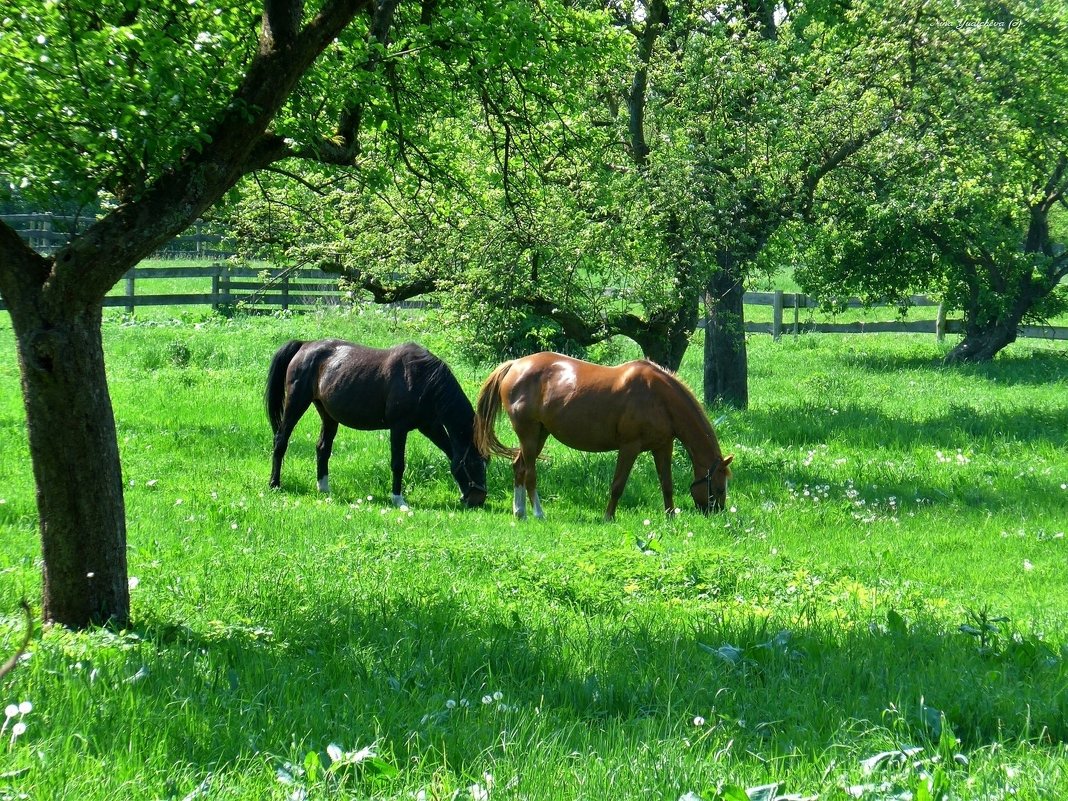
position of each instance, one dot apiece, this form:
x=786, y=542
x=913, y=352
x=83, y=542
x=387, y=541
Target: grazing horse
x=403, y=388
x=635, y=407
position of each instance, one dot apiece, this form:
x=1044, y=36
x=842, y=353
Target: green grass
x=880, y=502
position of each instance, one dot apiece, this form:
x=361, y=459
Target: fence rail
x=46, y=233
x=782, y=301
x=308, y=287
x=229, y=286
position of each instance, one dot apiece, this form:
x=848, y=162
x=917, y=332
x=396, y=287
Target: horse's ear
x=726, y=462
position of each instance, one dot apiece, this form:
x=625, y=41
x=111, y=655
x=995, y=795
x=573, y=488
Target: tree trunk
x=726, y=369
x=982, y=345
x=76, y=467
x=666, y=345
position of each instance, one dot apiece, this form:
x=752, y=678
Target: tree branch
x=92, y=263
x=21, y=267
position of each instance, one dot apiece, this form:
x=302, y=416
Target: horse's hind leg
x=323, y=448
x=298, y=399
x=525, y=468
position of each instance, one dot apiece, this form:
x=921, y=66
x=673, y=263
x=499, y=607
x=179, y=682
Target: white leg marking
x=324, y=484
x=519, y=502
x=536, y=503
x=400, y=503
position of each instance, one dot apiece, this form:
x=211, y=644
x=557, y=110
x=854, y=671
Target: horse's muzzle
x=475, y=499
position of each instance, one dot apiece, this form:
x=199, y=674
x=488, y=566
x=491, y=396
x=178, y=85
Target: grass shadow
x=1035, y=368
x=387, y=668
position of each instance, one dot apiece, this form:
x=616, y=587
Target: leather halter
x=707, y=478
x=471, y=483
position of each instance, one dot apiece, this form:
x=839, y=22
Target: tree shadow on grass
x=411, y=669
x=1035, y=368
x=961, y=426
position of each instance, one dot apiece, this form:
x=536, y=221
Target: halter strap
x=707, y=477
x=471, y=483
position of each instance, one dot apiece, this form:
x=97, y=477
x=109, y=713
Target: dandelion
x=698, y=721
x=450, y=704
x=134, y=581
x=10, y=712
x=497, y=696
x=1027, y=565
x=487, y=699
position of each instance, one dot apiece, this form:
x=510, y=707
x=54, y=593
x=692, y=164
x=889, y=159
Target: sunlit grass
x=293, y=645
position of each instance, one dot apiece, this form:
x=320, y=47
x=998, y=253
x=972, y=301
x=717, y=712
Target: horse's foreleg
x=662, y=458
x=323, y=449
x=398, y=439
x=624, y=464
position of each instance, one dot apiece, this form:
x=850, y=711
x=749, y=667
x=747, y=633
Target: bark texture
x=726, y=363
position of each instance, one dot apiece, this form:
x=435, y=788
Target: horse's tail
x=274, y=396
x=486, y=411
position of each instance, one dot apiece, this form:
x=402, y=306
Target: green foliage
x=957, y=200
x=105, y=95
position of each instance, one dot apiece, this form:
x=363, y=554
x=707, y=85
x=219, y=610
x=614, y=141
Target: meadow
x=881, y=613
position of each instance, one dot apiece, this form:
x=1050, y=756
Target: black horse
x=402, y=388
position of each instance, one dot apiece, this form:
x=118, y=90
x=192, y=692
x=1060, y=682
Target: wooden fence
x=46, y=233
x=789, y=304
x=229, y=286
x=304, y=288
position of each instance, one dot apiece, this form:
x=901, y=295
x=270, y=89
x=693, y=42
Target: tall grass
x=890, y=575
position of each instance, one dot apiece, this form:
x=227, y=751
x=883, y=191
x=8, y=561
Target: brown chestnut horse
x=402, y=388
x=635, y=407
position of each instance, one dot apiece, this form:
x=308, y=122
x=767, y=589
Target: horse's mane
x=439, y=383
x=690, y=398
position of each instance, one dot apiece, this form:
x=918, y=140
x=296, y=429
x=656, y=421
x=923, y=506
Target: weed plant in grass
x=889, y=577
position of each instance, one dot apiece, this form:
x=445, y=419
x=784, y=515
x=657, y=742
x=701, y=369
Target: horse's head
x=709, y=492
x=469, y=470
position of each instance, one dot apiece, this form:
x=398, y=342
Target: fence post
x=940, y=323
x=224, y=285
x=285, y=292
x=44, y=239
x=215, y=287
x=130, y=290
x=776, y=322
x=797, y=314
